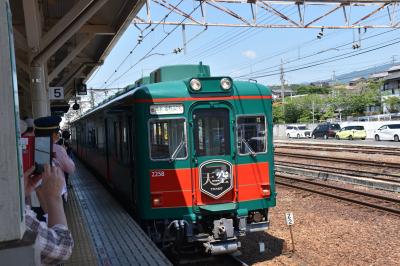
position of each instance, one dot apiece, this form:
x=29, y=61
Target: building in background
x=391, y=88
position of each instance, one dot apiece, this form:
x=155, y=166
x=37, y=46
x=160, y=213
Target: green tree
x=277, y=113
x=292, y=111
x=310, y=89
x=392, y=104
x=355, y=103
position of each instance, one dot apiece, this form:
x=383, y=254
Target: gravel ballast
x=326, y=232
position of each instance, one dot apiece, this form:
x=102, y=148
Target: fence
x=370, y=127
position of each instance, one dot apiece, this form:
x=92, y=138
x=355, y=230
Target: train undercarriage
x=210, y=234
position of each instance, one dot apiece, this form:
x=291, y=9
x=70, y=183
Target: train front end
x=210, y=163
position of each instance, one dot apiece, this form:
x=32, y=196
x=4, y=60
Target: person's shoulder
x=58, y=148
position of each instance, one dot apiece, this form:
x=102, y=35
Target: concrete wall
x=279, y=130
x=11, y=176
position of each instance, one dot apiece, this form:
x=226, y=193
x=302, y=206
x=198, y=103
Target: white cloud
x=249, y=54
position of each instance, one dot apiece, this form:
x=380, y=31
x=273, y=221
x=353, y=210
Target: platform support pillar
x=11, y=176
x=17, y=246
x=39, y=94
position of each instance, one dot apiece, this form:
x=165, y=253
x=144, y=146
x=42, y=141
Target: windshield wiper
x=252, y=153
x=177, y=150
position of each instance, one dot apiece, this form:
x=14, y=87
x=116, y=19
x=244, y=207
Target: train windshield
x=251, y=134
x=211, y=132
x=168, y=139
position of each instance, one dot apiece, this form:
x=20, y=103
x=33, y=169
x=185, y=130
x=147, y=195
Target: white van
x=388, y=132
x=298, y=131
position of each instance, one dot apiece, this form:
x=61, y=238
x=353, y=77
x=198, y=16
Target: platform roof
x=71, y=37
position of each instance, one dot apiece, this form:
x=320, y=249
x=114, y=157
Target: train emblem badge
x=216, y=178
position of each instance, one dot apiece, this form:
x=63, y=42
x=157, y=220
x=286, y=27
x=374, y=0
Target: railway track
x=366, y=149
x=218, y=260
x=373, y=174
x=340, y=160
x=374, y=201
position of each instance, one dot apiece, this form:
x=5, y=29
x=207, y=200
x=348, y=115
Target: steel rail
x=335, y=144
x=364, y=149
x=344, y=160
x=342, y=190
x=356, y=173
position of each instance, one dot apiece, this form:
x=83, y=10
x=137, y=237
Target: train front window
x=251, y=134
x=211, y=132
x=167, y=139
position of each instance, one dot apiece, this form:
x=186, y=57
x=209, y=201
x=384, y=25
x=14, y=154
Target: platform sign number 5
x=56, y=93
x=289, y=218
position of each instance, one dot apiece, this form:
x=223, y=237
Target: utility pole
x=91, y=98
x=334, y=76
x=313, y=113
x=184, y=39
x=283, y=88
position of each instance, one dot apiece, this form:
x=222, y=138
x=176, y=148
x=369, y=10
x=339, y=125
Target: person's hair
x=66, y=135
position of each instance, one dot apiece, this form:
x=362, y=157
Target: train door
x=213, y=152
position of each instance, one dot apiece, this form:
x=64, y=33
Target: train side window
x=251, y=134
x=117, y=140
x=92, y=138
x=167, y=139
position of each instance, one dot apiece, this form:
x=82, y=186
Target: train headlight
x=226, y=84
x=156, y=200
x=195, y=84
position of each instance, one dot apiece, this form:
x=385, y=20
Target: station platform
x=104, y=233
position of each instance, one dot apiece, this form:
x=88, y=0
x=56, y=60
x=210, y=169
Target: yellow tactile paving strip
x=83, y=252
x=104, y=233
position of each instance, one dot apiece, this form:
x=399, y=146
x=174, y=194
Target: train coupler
x=222, y=247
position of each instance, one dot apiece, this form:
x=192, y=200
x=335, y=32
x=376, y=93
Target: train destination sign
x=166, y=109
x=216, y=178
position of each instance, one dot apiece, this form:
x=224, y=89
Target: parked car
x=325, y=130
x=298, y=131
x=352, y=132
x=388, y=132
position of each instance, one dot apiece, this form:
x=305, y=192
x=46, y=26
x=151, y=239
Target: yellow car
x=352, y=132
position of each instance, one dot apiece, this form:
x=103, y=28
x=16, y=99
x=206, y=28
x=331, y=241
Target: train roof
x=148, y=88
x=179, y=72
x=179, y=89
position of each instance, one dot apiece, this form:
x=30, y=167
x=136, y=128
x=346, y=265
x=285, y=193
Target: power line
x=139, y=42
x=282, y=52
x=148, y=54
x=316, y=63
x=264, y=70
x=232, y=40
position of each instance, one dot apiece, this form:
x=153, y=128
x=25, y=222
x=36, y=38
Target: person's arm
x=54, y=240
x=65, y=162
x=55, y=244
x=50, y=190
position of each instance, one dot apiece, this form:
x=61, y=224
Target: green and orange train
x=192, y=154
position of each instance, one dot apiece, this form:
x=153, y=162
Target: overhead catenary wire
x=345, y=76
x=138, y=43
x=224, y=42
x=329, y=60
x=265, y=70
x=153, y=48
x=287, y=50
x=221, y=42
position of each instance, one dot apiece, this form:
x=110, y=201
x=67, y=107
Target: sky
x=249, y=53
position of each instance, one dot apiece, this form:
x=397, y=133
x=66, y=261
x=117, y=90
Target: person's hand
x=30, y=181
x=52, y=182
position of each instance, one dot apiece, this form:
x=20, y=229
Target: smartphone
x=43, y=150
